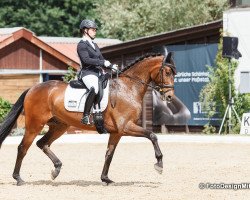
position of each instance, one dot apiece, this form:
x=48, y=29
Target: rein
x=142, y=82
x=155, y=87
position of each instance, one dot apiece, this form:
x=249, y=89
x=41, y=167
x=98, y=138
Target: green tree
x=5, y=107
x=214, y=95
x=129, y=19
x=70, y=75
x=122, y=19
x=46, y=17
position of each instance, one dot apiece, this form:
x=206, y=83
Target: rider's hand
x=114, y=67
x=107, y=63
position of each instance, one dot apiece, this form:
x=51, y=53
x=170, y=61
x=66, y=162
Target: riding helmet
x=86, y=23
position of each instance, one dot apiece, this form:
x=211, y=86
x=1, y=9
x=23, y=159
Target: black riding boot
x=88, y=104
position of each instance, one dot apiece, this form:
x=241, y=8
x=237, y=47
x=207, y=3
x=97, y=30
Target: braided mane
x=139, y=59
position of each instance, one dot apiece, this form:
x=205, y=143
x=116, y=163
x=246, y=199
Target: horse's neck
x=140, y=76
x=140, y=71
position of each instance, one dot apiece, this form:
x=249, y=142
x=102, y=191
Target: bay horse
x=43, y=104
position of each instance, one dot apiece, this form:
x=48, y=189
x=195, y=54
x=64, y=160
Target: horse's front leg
x=113, y=141
x=137, y=131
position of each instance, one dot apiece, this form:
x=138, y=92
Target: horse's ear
x=164, y=60
x=169, y=57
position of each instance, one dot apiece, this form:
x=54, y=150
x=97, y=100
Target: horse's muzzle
x=167, y=96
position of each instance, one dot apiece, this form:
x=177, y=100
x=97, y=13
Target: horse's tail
x=11, y=118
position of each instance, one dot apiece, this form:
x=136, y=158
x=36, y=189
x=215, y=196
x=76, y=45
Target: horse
x=43, y=104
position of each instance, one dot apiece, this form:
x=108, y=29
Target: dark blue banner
x=192, y=74
x=192, y=63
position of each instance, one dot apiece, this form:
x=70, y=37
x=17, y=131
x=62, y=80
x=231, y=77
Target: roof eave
x=168, y=37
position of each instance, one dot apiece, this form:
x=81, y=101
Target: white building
x=236, y=23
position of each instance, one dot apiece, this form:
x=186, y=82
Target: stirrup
x=85, y=120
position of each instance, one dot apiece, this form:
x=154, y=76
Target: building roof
x=68, y=45
x=63, y=48
x=171, y=37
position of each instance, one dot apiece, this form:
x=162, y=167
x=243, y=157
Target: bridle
x=162, y=85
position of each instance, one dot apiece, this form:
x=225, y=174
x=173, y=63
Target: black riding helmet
x=86, y=23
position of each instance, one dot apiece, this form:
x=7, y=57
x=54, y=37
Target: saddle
x=76, y=94
x=102, y=84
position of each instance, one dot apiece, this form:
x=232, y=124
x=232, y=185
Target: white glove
x=114, y=67
x=107, y=63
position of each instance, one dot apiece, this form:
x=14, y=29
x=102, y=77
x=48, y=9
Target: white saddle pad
x=74, y=99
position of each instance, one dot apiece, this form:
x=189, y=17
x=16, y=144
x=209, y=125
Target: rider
x=92, y=63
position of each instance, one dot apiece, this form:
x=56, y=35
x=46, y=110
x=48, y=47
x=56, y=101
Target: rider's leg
x=91, y=82
x=88, y=104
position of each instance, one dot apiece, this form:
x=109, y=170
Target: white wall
x=236, y=23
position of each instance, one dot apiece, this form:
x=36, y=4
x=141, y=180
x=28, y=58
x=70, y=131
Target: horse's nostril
x=169, y=97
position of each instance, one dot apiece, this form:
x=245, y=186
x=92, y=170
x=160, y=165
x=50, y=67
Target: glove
x=107, y=63
x=114, y=67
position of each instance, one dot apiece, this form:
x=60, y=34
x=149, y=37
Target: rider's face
x=92, y=32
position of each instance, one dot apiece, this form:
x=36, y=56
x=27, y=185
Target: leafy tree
x=70, y=75
x=5, y=107
x=122, y=19
x=46, y=17
x=214, y=95
x=129, y=19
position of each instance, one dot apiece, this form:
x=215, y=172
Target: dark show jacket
x=91, y=59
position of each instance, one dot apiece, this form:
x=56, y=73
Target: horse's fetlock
x=58, y=164
x=15, y=176
x=159, y=157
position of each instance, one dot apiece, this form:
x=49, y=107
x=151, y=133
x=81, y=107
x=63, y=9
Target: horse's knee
x=153, y=137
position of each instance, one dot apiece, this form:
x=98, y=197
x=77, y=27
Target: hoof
x=107, y=181
x=20, y=182
x=158, y=168
x=54, y=173
x=105, y=184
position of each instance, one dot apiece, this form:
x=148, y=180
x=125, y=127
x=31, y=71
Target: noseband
x=162, y=85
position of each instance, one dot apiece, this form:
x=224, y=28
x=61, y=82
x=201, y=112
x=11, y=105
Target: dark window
x=47, y=77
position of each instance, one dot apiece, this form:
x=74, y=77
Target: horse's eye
x=168, y=73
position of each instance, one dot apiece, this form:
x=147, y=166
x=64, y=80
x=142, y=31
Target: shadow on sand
x=83, y=183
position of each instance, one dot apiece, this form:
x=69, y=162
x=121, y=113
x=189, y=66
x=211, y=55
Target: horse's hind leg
x=31, y=131
x=56, y=129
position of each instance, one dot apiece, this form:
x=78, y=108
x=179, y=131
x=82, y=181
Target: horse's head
x=163, y=77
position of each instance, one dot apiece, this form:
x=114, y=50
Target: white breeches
x=91, y=81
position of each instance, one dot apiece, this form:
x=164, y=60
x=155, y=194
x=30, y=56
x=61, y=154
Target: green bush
x=5, y=107
x=214, y=95
x=70, y=75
